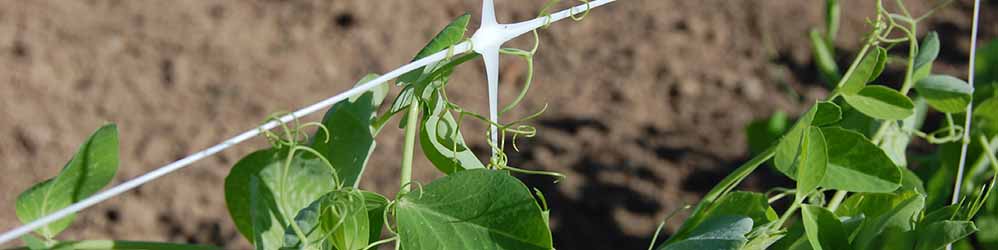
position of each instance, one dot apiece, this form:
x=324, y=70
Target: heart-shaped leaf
x=857, y=165
x=92, y=168
x=472, y=209
x=881, y=102
x=945, y=93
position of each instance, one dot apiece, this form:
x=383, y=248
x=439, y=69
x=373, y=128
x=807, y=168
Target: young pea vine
x=488, y=40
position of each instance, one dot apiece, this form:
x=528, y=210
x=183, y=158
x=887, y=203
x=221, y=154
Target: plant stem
x=786, y=215
x=410, y=145
x=837, y=200
x=123, y=245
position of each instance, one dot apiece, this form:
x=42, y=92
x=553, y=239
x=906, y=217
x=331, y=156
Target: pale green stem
x=837, y=200
x=410, y=145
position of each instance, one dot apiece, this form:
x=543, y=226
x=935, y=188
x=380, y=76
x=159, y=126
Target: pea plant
x=856, y=185
x=302, y=192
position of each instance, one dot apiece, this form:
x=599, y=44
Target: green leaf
x=376, y=205
x=91, y=168
x=928, y=50
x=900, y=217
x=881, y=102
x=789, y=147
x=911, y=181
x=881, y=64
x=857, y=165
x=473, y=209
x=442, y=142
x=262, y=193
x=719, y=233
x=452, y=34
x=749, y=204
x=812, y=162
x=945, y=93
x=824, y=58
x=986, y=117
x=862, y=74
x=854, y=120
x=827, y=113
x=351, y=135
x=823, y=228
x=939, y=234
x=344, y=218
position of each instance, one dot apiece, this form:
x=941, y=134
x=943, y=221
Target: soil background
x=647, y=98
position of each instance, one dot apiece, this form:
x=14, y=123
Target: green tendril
x=558, y=176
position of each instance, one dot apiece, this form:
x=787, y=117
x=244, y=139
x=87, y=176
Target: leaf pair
x=833, y=157
x=876, y=101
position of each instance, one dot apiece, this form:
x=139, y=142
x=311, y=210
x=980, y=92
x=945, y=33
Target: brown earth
x=647, y=98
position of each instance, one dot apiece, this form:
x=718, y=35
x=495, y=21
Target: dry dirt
x=647, y=98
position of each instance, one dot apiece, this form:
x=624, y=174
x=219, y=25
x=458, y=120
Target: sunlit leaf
x=91, y=168
x=881, y=64
x=473, y=209
x=862, y=74
x=350, y=141
x=881, y=102
x=442, y=141
x=857, y=165
x=262, y=193
x=789, y=148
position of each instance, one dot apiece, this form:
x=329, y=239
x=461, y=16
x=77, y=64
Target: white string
x=970, y=106
x=970, y=109
x=179, y=164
